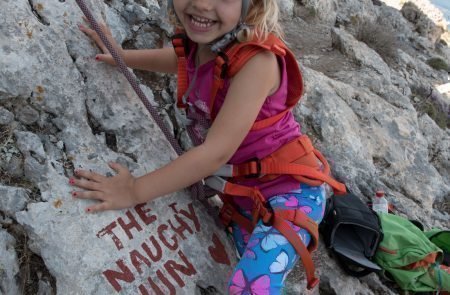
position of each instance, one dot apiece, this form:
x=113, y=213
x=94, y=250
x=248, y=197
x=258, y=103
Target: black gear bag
x=352, y=232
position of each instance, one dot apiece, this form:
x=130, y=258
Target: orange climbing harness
x=298, y=158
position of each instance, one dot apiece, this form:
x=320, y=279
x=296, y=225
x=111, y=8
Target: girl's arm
x=248, y=90
x=162, y=60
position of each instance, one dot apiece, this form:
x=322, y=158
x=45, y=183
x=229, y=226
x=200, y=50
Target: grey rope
x=196, y=189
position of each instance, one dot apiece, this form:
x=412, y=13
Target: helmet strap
x=219, y=44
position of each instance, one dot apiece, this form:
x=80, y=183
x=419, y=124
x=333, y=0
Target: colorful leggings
x=266, y=255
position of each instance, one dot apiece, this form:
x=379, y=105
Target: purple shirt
x=259, y=143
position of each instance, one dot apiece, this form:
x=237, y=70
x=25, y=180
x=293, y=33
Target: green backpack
x=441, y=238
x=409, y=257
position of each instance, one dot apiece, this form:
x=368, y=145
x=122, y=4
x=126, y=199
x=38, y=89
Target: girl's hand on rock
x=115, y=192
x=106, y=55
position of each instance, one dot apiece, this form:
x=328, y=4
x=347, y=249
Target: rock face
x=380, y=122
x=9, y=266
x=70, y=112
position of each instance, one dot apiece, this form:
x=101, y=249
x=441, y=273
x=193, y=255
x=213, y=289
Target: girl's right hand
x=105, y=56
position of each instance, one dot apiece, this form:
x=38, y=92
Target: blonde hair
x=263, y=18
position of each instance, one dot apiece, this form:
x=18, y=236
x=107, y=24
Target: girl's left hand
x=115, y=192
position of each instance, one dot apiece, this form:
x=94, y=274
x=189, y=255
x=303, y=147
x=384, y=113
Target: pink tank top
x=257, y=144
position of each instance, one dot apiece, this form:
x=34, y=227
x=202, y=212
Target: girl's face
x=207, y=20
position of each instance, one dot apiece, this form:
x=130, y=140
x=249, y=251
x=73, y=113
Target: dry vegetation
x=31, y=266
x=424, y=103
x=438, y=63
x=378, y=36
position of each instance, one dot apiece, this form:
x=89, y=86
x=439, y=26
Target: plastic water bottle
x=379, y=203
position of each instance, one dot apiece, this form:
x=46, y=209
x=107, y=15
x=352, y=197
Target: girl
x=257, y=91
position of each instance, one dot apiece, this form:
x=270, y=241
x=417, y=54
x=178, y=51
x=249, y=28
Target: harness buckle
x=299, y=217
x=267, y=218
x=312, y=283
x=180, y=40
x=255, y=165
x=226, y=214
x=223, y=63
x=216, y=183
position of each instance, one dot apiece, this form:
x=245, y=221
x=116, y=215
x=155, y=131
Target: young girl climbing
x=239, y=117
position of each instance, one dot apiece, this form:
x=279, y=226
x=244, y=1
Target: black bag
x=352, y=232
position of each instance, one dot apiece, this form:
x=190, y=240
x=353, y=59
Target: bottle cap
x=379, y=193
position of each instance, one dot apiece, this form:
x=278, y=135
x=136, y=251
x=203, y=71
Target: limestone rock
x=12, y=199
x=93, y=116
x=9, y=267
x=60, y=110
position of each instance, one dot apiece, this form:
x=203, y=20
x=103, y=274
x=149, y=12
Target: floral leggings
x=266, y=255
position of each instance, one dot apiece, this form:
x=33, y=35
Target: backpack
x=410, y=258
x=441, y=238
x=352, y=232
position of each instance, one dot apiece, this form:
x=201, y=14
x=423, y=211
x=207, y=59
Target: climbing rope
x=197, y=190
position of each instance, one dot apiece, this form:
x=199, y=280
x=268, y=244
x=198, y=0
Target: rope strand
x=197, y=189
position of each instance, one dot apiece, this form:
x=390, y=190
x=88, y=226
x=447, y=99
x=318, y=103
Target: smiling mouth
x=201, y=22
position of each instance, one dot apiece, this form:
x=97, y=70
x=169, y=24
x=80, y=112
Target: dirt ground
x=311, y=42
